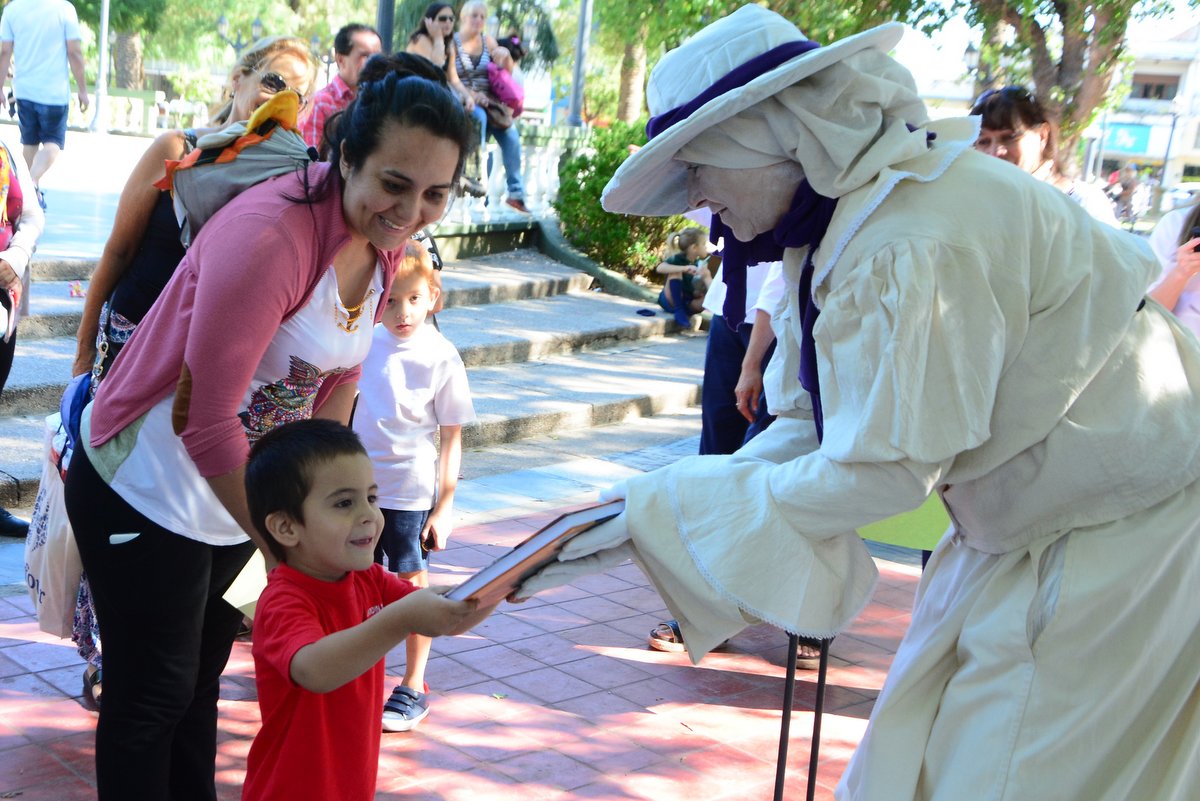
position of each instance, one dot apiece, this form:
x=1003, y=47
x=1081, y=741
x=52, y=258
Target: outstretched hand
x=431, y=614
x=594, y=551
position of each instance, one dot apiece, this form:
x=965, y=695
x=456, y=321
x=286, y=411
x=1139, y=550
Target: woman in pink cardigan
x=265, y=321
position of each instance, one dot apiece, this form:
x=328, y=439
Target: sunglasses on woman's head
x=273, y=83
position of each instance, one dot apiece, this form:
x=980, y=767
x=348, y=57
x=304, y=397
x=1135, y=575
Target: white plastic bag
x=52, y=564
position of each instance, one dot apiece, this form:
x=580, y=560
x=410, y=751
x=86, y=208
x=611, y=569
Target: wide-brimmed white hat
x=652, y=182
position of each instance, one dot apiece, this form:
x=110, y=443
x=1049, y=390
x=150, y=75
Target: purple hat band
x=734, y=79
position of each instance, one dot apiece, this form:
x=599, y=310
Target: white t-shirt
x=409, y=387
x=39, y=31
x=161, y=481
x=764, y=287
x=1094, y=202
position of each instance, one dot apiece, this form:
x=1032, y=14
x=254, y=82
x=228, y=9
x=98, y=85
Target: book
x=501, y=578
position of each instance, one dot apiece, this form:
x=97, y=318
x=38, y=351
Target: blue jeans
x=723, y=429
x=509, y=141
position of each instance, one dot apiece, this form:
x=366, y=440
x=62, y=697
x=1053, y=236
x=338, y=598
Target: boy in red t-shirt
x=328, y=616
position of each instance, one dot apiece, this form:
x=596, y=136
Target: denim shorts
x=400, y=541
x=41, y=123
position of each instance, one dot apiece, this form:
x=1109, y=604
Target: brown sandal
x=666, y=636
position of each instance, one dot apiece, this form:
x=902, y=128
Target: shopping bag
x=52, y=564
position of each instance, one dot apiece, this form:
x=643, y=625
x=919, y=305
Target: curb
x=555, y=245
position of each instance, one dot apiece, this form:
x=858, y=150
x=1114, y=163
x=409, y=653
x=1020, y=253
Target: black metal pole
x=786, y=718
x=785, y=723
x=385, y=22
x=818, y=710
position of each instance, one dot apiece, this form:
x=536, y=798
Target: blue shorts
x=400, y=541
x=40, y=123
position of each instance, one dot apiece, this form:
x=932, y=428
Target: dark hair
x=1193, y=220
x=512, y=43
x=1014, y=108
x=431, y=11
x=376, y=68
x=343, y=42
x=279, y=475
x=412, y=92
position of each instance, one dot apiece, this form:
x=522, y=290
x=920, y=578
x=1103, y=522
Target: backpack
x=246, y=153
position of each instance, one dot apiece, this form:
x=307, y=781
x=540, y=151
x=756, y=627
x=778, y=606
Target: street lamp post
x=1156, y=201
x=326, y=57
x=100, y=112
x=239, y=44
x=575, y=114
x=385, y=22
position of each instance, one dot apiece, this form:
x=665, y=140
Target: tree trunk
x=127, y=61
x=633, y=78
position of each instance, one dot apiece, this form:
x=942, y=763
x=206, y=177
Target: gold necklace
x=353, y=313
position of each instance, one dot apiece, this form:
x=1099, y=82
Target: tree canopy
x=1072, y=47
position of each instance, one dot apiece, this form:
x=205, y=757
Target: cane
x=786, y=721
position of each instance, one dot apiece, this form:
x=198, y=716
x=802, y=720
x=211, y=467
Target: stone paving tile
x=551, y=700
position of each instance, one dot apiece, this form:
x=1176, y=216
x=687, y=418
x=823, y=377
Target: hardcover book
x=501, y=578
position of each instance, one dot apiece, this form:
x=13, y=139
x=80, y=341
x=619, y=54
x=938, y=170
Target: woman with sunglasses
x=266, y=320
x=434, y=39
x=144, y=248
x=474, y=50
x=1014, y=128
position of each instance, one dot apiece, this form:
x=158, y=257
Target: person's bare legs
x=42, y=161
x=416, y=647
x=30, y=153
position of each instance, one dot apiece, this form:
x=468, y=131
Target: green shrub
x=628, y=245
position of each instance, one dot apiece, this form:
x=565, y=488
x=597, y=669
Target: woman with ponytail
x=265, y=321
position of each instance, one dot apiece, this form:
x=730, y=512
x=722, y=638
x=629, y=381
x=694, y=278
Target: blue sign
x=1127, y=138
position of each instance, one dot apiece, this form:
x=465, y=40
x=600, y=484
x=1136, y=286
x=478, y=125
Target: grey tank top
x=473, y=77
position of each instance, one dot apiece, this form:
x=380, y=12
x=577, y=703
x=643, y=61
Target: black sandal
x=92, y=686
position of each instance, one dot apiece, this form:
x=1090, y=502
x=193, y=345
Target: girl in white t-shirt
x=413, y=393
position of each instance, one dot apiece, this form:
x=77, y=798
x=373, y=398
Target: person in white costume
x=953, y=325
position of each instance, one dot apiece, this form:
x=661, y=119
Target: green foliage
x=628, y=245
x=194, y=85
x=143, y=16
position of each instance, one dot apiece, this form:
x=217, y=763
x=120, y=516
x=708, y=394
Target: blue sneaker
x=405, y=709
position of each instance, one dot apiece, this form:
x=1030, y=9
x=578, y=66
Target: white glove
x=608, y=534
x=616, y=492
x=595, y=550
x=557, y=574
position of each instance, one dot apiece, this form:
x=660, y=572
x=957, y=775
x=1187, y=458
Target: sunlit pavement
x=557, y=698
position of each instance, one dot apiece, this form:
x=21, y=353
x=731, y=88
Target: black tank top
x=158, y=254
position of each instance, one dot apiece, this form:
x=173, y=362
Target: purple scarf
x=802, y=225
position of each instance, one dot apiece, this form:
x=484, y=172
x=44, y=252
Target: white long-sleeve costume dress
x=980, y=336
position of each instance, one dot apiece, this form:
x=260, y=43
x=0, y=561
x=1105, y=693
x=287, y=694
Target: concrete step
x=488, y=334
x=548, y=395
x=469, y=282
x=49, y=268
